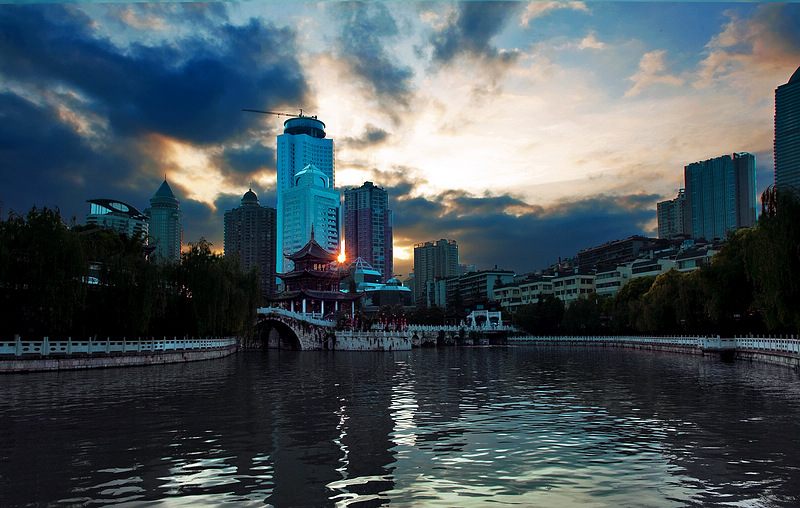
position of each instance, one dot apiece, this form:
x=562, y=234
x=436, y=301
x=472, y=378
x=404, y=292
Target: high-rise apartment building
x=722, y=194
x=432, y=261
x=303, y=142
x=368, y=227
x=250, y=233
x=310, y=204
x=166, y=224
x=787, y=132
x=674, y=217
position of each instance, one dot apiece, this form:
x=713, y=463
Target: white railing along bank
x=70, y=346
x=312, y=317
x=766, y=344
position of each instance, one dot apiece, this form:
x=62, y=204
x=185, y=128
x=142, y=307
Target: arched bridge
x=283, y=329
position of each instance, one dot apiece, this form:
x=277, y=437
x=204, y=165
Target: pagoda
x=312, y=287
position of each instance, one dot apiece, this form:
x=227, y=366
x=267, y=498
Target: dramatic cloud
x=524, y=131
x=652, y=70
x=505, y=231
x=470, y=31
x=537, y=9
x=366, y=28
x=372, y=136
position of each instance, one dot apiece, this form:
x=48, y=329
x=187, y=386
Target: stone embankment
x=22, y=355
x=776, y=350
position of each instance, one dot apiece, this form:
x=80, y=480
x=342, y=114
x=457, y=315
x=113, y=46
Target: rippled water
x=525, y=426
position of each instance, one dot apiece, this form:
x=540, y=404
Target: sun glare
x=341, y=257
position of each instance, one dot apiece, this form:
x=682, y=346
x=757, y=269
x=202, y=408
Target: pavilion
x=312, y=287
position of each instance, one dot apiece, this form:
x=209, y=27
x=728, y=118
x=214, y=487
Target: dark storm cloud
x=77, y=111
x=471, y=30
x=372, y=136
x=239, y=163
x=43, y=162
x=193, y=94
x=783, y=23
x=208, y=222
x=366, y=28
x=503, y=230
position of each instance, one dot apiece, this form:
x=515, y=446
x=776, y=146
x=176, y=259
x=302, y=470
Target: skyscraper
x=310, y=204
x=787, y=132
x=433, y=261
x=250, y=233
x=368, y=227
x=674, y=217
x=166, y=226
x=303, y=142
x=722, y=194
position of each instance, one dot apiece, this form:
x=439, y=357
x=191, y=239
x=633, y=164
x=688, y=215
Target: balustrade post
x=108, y=345
x=19, y=344
x=45, y=346
x=89, y=347
x=69, y=345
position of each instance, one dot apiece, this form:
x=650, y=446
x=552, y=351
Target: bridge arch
x=274, y=333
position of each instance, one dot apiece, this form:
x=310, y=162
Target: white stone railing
x=71, y=346
x=766, y=344
x=456, y=329
x=311, y=317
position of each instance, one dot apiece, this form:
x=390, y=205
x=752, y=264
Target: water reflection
x=527, y=425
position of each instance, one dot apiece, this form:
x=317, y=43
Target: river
x=518, y=425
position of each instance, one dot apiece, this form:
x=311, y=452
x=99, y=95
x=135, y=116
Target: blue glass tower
x=787, y=132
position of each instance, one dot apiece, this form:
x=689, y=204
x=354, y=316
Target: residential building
x=477, y=286
x=616, y=252
x=523, y=292
x=721, y=193
x=433, y=261
x=116, y=215
x=674, y=217
x=310, y=209
x=787, y=132
x=165, y=225
x=302, y=143
x=567, y=287
x=608, y=281
x=694, y=258
x=250, y=234
x=368, y=227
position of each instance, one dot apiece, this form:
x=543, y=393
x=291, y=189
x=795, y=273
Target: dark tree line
x=84, y=281
x=752, y=285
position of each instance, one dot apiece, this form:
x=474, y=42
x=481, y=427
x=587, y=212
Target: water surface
x=519, y=425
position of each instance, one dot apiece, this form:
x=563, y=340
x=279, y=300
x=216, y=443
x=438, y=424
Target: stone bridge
x=279, y=328
x=282, y=329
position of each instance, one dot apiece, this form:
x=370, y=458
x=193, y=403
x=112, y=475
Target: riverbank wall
x=776, y=350
x=21, y=356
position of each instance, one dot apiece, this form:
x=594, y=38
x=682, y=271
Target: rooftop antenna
x=274, y=112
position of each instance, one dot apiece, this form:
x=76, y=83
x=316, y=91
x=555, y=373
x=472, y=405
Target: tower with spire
x=166, y=224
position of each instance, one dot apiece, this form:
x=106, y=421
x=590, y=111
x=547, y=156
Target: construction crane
x=273, y=112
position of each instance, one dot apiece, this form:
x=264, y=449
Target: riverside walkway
x=25, y=355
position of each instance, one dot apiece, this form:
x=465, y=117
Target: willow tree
x=42, y=274
x=222, y=298
x=773, y=259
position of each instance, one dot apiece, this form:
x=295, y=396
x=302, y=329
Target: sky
x=524, y=131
